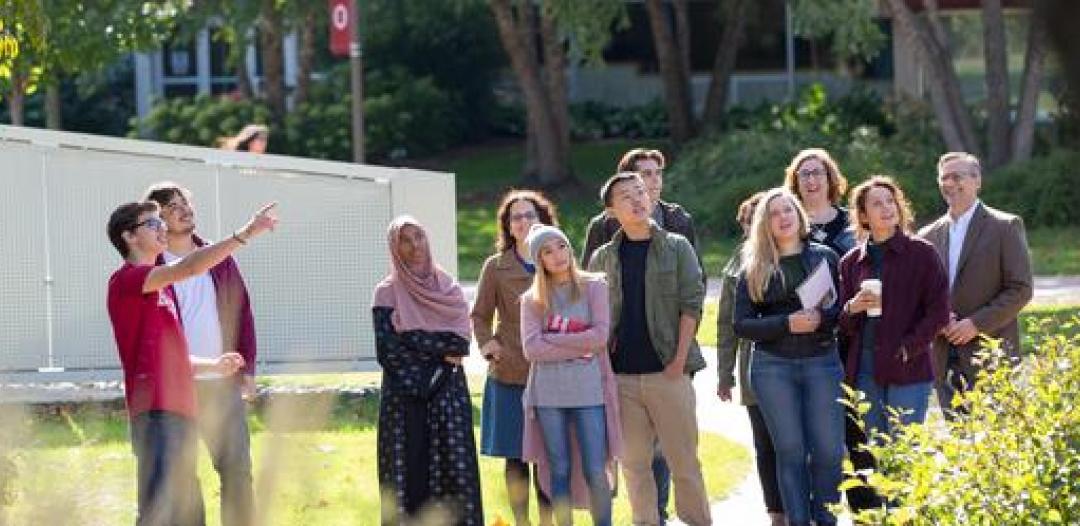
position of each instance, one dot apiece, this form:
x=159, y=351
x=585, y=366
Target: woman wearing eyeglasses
x=815, y=178
x=504, y=277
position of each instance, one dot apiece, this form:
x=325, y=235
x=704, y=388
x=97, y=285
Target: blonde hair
x=837, y=182
x=540, y=292
x=760, y=254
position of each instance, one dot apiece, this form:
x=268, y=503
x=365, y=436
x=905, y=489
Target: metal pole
x=356, y=62
x=789, y=49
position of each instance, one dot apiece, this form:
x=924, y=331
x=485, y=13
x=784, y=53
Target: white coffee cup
x=874, y=286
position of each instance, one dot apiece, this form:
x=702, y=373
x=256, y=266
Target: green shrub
x=1043, y=190
x=1013, y=458
x=405, y=116
x=201, y=120
x=591, y=120
x=409, y=116
x=714, y=173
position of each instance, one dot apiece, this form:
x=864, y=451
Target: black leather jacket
x=766, y=323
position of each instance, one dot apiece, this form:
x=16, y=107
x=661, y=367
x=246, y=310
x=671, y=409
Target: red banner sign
x=342, y=26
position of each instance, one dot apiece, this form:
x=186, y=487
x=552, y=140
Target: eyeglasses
x=814, y=173
x=153, y=223
x=524, y=216
x=951, y=176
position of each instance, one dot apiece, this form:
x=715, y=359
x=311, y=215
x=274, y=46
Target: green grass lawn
x=80, y=471
x=1055, y=251
x=484, y=173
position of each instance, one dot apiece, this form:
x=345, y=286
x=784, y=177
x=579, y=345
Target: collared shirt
x=957, y=232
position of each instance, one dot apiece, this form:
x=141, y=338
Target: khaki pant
x=653, y=406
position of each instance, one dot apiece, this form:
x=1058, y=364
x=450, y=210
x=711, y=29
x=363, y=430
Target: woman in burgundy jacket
x=890, y=329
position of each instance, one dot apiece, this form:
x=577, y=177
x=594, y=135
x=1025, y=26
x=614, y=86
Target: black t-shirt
x=634, y=351
x=869, y=328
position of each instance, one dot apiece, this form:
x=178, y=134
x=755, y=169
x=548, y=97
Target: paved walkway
x=745, y=506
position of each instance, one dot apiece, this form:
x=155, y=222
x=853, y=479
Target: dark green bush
x=1044, y=190
x=1013, y=458
x=200, y=121
x=404, y=117
x=714, y=173
x=591, y=120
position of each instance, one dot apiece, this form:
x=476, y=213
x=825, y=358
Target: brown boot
x=777, y=519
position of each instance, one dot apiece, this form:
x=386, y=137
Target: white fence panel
x=310, y=281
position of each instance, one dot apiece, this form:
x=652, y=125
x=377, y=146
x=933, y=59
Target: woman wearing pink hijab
x=427, y=458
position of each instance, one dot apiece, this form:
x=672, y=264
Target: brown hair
x=745, y=215
x=628, y=162
x=241, y=142
x=163, y=192
x=861, y=192
x=126, y=219
x=545, y=212
x=837, y=182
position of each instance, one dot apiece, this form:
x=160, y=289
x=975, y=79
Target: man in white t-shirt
x=215, y=312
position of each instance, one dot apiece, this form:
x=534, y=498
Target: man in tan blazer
x=986, y=254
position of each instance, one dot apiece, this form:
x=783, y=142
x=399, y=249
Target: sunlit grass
x=80, y=470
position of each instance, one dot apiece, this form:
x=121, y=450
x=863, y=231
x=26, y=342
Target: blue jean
x=799, y=399
x=590, y=430
x=662, y=476
x=165, y=451
x=910, y=400
x=223, y=426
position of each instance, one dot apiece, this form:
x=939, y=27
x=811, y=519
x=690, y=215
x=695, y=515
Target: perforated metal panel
x=83, y=188
x=24, y=333
x=311, y=282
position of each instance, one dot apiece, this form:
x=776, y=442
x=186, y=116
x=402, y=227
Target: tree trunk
x=957, y=128
x=1023, y=133
x=307, y=57
x=724, y=63
x=675, y=78
x=551, y=168
x=270, y=39
x=17, y=97
x=555, y=63
x=682, y=32
x=238, y=57
x=16, y=104
x=997, y=84
x=53, y=105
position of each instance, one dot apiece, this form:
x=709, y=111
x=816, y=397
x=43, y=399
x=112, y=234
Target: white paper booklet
x=817, y=289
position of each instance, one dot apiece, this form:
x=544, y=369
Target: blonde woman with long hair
x=795, y=371
x=571, y=398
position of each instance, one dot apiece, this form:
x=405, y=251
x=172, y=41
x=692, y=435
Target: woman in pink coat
x=572, y=428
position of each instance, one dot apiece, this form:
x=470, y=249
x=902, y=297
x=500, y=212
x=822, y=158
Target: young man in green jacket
x=656, y=294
